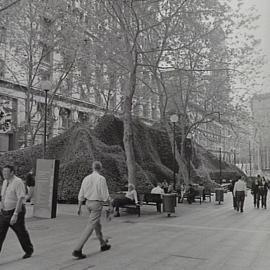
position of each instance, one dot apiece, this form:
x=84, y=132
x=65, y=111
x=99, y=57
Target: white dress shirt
x=240, y=185
x=94, y=188
x=157, y=190
x=11, y=192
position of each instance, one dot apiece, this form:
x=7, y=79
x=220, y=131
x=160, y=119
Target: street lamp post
x=220, y=169
x=189, y=136
x=174, y=119
x=249, y=151
x=45, y=86
x=234, y=156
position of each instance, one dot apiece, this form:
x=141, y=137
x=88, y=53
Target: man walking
x=240, y=191
x=13, y=210
x=255, y=190
x=95, y=191
x=231, y=188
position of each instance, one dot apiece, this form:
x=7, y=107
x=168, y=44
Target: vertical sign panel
x=46, y=188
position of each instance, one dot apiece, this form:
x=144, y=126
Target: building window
x=83, y=117
x=112, y=102
x=98, y=98
x=46, y=54
x=2, y=68
x=65, y=115
x=3, y=34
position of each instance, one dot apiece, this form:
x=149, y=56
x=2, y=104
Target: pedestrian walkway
x=207, y=236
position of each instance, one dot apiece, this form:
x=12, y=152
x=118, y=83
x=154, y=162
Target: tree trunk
x=128, y=141
x=183, y=171
x=128, y=132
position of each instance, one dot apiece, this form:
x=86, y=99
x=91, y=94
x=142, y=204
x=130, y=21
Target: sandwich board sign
x=46, y=180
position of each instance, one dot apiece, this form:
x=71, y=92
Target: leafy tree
x=41, y=35
x=194, y=68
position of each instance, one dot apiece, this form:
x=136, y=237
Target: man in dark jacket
x=263, y=190
x=255, y=191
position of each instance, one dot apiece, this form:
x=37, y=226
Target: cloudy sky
x=263, y=32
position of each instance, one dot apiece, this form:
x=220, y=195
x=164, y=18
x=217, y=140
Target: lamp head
x=174, y=118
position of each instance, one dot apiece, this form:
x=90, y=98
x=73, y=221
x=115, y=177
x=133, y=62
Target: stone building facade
x=260, y=105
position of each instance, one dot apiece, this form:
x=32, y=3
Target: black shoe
x=27, y=255
x=117, y=214
x=242, y=211
x=105, y=247
x=78, y=254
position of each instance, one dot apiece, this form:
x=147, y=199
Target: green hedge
x=78, y=147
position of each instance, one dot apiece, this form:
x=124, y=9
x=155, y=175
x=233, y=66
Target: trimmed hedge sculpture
x=79, y=146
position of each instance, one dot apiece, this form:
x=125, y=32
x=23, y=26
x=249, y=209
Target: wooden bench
x=207, y=194
x=153, y=199
x=133, y=207
x=198, y=196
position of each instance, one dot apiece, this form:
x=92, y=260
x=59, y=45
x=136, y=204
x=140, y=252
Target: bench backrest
x=149, y=197
x=117, y=195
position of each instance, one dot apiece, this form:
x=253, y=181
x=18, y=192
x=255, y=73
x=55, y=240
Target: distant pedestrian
x=255, y=190
x=231, y=187
x=179, y=192
x=260, y=191
x=13, y=210
x=94, y=190
x=165, y=185
x=30, y=184
x=190, y=194
x=263, y=190
x=240, y=191
x=170, y=188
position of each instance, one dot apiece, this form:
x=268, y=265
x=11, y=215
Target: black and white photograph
x=134, y=134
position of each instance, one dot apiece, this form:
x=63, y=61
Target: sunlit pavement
x=207, y=236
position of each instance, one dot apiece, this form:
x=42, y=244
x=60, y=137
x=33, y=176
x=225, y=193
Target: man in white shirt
x=95, y=191
x=240, y=191
x=12, y=212
x=158, y=190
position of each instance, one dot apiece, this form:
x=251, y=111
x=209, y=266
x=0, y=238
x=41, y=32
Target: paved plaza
x=202, y=237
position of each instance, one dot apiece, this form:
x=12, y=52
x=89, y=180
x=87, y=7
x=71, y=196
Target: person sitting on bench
x=130, y=198
x=158, y=190
x=190, y=194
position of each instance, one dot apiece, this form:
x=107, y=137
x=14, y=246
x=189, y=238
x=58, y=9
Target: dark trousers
x=118, y=202
x=18, y=228
x=234, y=202
x=190, y=198
x=255, y=197
x=264, y=199
x=240, y=198
x=158, y=207
x=258, y=198
x=261, y=197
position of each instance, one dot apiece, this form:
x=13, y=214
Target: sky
x=263, y=33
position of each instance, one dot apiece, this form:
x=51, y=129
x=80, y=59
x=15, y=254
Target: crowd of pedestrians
x=259, y=190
